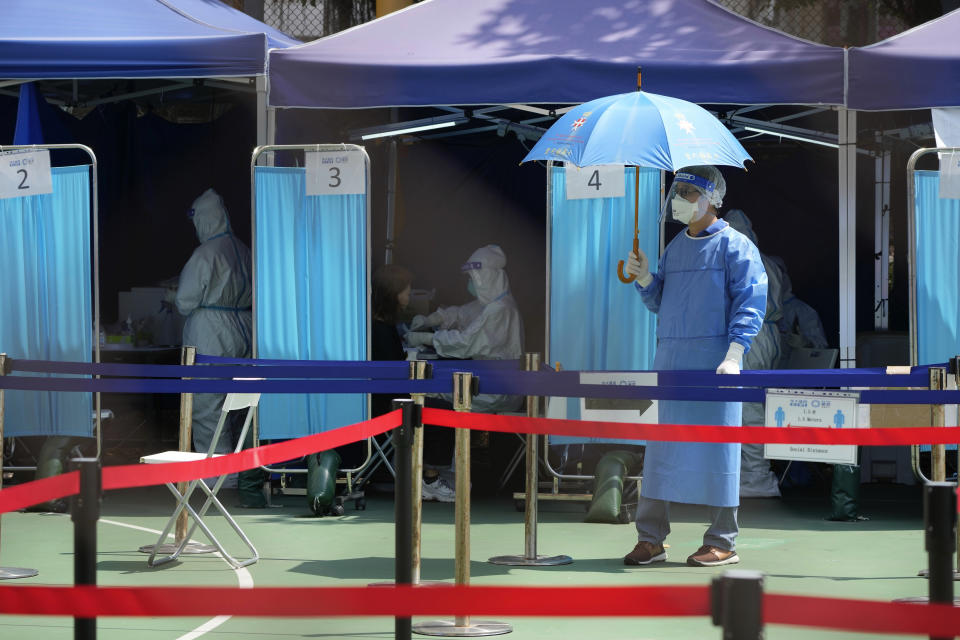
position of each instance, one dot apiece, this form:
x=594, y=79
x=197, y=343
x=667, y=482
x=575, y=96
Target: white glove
x=731, y=362
x=639, y=267
x=419, y=338
x=432, y=320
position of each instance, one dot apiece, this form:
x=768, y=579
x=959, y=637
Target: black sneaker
x=645, y=553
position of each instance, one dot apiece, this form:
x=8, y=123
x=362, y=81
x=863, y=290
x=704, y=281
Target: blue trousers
x=653, y=524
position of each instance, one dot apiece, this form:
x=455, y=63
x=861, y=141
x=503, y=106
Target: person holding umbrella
x=710, y=293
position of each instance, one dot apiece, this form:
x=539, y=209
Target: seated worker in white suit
x=489, y=328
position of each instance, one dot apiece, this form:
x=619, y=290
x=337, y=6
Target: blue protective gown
x=708, y=291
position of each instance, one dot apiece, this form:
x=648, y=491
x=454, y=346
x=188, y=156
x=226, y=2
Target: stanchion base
x=191, y=548
x=12, y=573
x=923, y=573
x=449, y=628
x=923, y=600
x=524, y=561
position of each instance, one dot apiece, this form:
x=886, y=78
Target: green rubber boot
x=608, y=491
x=50, y=462
x=250, y=483
x=322, y=481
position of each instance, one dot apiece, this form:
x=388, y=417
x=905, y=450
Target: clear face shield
x=688, y=199
x=467, y=269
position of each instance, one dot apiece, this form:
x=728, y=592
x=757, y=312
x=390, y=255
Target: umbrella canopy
x=639, y=129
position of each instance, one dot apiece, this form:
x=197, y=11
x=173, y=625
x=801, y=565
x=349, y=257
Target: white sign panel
x=597, y=181
x=25, y=173
x=803, y=408
x=335, y=173
x=632, y=410
x=949, y=175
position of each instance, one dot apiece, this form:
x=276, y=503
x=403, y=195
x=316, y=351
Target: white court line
x=244, y=581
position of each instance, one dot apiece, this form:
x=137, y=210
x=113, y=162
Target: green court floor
x=787, y=539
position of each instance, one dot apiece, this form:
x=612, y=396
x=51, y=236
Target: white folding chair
x=233, y=401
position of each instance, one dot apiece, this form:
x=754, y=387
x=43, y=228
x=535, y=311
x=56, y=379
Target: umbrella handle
x=625, y=279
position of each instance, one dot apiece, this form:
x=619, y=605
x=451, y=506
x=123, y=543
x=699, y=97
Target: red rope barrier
x=688, y=600
x=90, y=601
x=936, y=620
x=139, y=475
x=18, y=496
x=128, y=476
x=692, y=433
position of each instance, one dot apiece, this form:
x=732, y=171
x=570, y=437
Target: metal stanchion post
x=940, y=529
x=530, y=557
x=939, y=541
x=403, y=554
x=955, y=367
x=419, y=370
x=938, y=454
x=188, y=357
x=736, y=604
x=8, y=573
x=85, y=511
x=462, y=625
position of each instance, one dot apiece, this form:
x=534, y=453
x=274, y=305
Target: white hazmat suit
x=800, y=325
x=756, y=478
x=215, y=295
x=489, y=328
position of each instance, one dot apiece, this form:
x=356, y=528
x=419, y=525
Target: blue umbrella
x=639, y=129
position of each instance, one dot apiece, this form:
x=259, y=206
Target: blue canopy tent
x=450, y=52
x=132, y=39
x=67, y=47
x=140, y=39
x=519, y=52
x=554, y=52
x=916, y=69
x=919, y=69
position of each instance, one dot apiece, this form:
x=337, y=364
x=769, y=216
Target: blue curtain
x=597, y=323
x=938, y=271
x=311, y=295
x=47, y=301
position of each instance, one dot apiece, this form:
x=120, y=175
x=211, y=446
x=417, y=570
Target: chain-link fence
x=833, y=22
x=312, y=19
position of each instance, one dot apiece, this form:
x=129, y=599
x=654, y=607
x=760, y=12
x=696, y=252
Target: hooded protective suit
x=489, y=328
x=215, y=295
x=756, y=478
x=708, y=292
x=800, y=324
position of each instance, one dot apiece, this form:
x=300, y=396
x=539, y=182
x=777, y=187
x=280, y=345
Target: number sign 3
x=331, y=173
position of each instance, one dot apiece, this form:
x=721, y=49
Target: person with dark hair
x=390, y=296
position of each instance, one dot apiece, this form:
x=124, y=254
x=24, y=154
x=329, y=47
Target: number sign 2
x=25, y=173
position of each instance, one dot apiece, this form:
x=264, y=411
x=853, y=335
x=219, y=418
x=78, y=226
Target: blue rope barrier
x=545, y=385
x=391, y=370
x=476, y=366
x=504, y=372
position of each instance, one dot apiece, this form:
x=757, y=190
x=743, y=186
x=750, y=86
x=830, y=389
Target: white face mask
x=684, y=211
